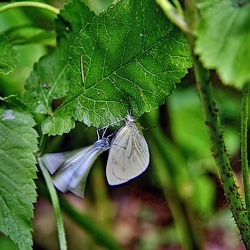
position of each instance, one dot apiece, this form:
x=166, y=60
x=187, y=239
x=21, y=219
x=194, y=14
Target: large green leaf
x=49, y=80
x=17, y=171
x=8, y=58
x=132, y=56
x=223, y=39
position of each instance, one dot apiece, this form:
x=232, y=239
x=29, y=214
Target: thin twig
x=56, y=206
x=29, y=4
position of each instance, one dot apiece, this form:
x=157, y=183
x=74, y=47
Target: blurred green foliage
x=180, y=191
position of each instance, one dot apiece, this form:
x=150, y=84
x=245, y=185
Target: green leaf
x=8, y=54
x=58, y=125
x=223, y=40
x=12, y=101
x=17, y=171
x=49, y=80
x=132, y=58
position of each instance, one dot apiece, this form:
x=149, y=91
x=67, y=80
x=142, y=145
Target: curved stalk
x=56, y=206
x=30, y=4
x=174, y=14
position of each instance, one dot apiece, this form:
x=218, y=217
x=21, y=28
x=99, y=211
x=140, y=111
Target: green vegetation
x=182, y=69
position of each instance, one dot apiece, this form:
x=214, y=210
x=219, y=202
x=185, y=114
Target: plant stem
x=179, y=8
x=85, y=222
x=210, y=112
x=173, y=14
x=41, y=144
x=56, y=206
x=30, y=4
x=94, y=228
x=244, y=156
x=173, y=178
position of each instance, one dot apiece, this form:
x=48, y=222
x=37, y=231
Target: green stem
x=42, y=144
x=244, y=156
x=171, y=172
x=30, y=4
x=86, y=223
x=56, y=206
x=179, y=8
x=210, y=112
x=94, y=228
x=173, y=14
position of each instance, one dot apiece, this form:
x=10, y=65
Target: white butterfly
x=129, y=154
x=70, y=170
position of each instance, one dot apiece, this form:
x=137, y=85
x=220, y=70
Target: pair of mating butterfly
x=128, y=158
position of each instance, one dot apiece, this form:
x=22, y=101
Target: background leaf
x=49, y=80
x=132, y=57
x=8, y=58
x=17, y=171
x=223, y=40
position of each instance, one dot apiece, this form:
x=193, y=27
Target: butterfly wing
x=54, y=161
x=78, y=180
x=128, y=157
x=64, y=166
x=70, y=169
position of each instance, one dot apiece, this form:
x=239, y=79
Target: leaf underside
x=128, y=58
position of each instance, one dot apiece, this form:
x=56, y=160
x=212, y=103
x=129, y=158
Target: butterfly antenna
x=104, y=131
x=113, y=123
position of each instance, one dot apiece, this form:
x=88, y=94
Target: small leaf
x=12, y=101
x=49, y=80
x=17, y=171
x=132, y=58
x=8, y=54
x=58, y=125
x=223, y=40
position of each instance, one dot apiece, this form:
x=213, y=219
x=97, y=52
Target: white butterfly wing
x=65, y=169
x=79, y=177
x=70, y=173
x=128, y=157
x=53, y=161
